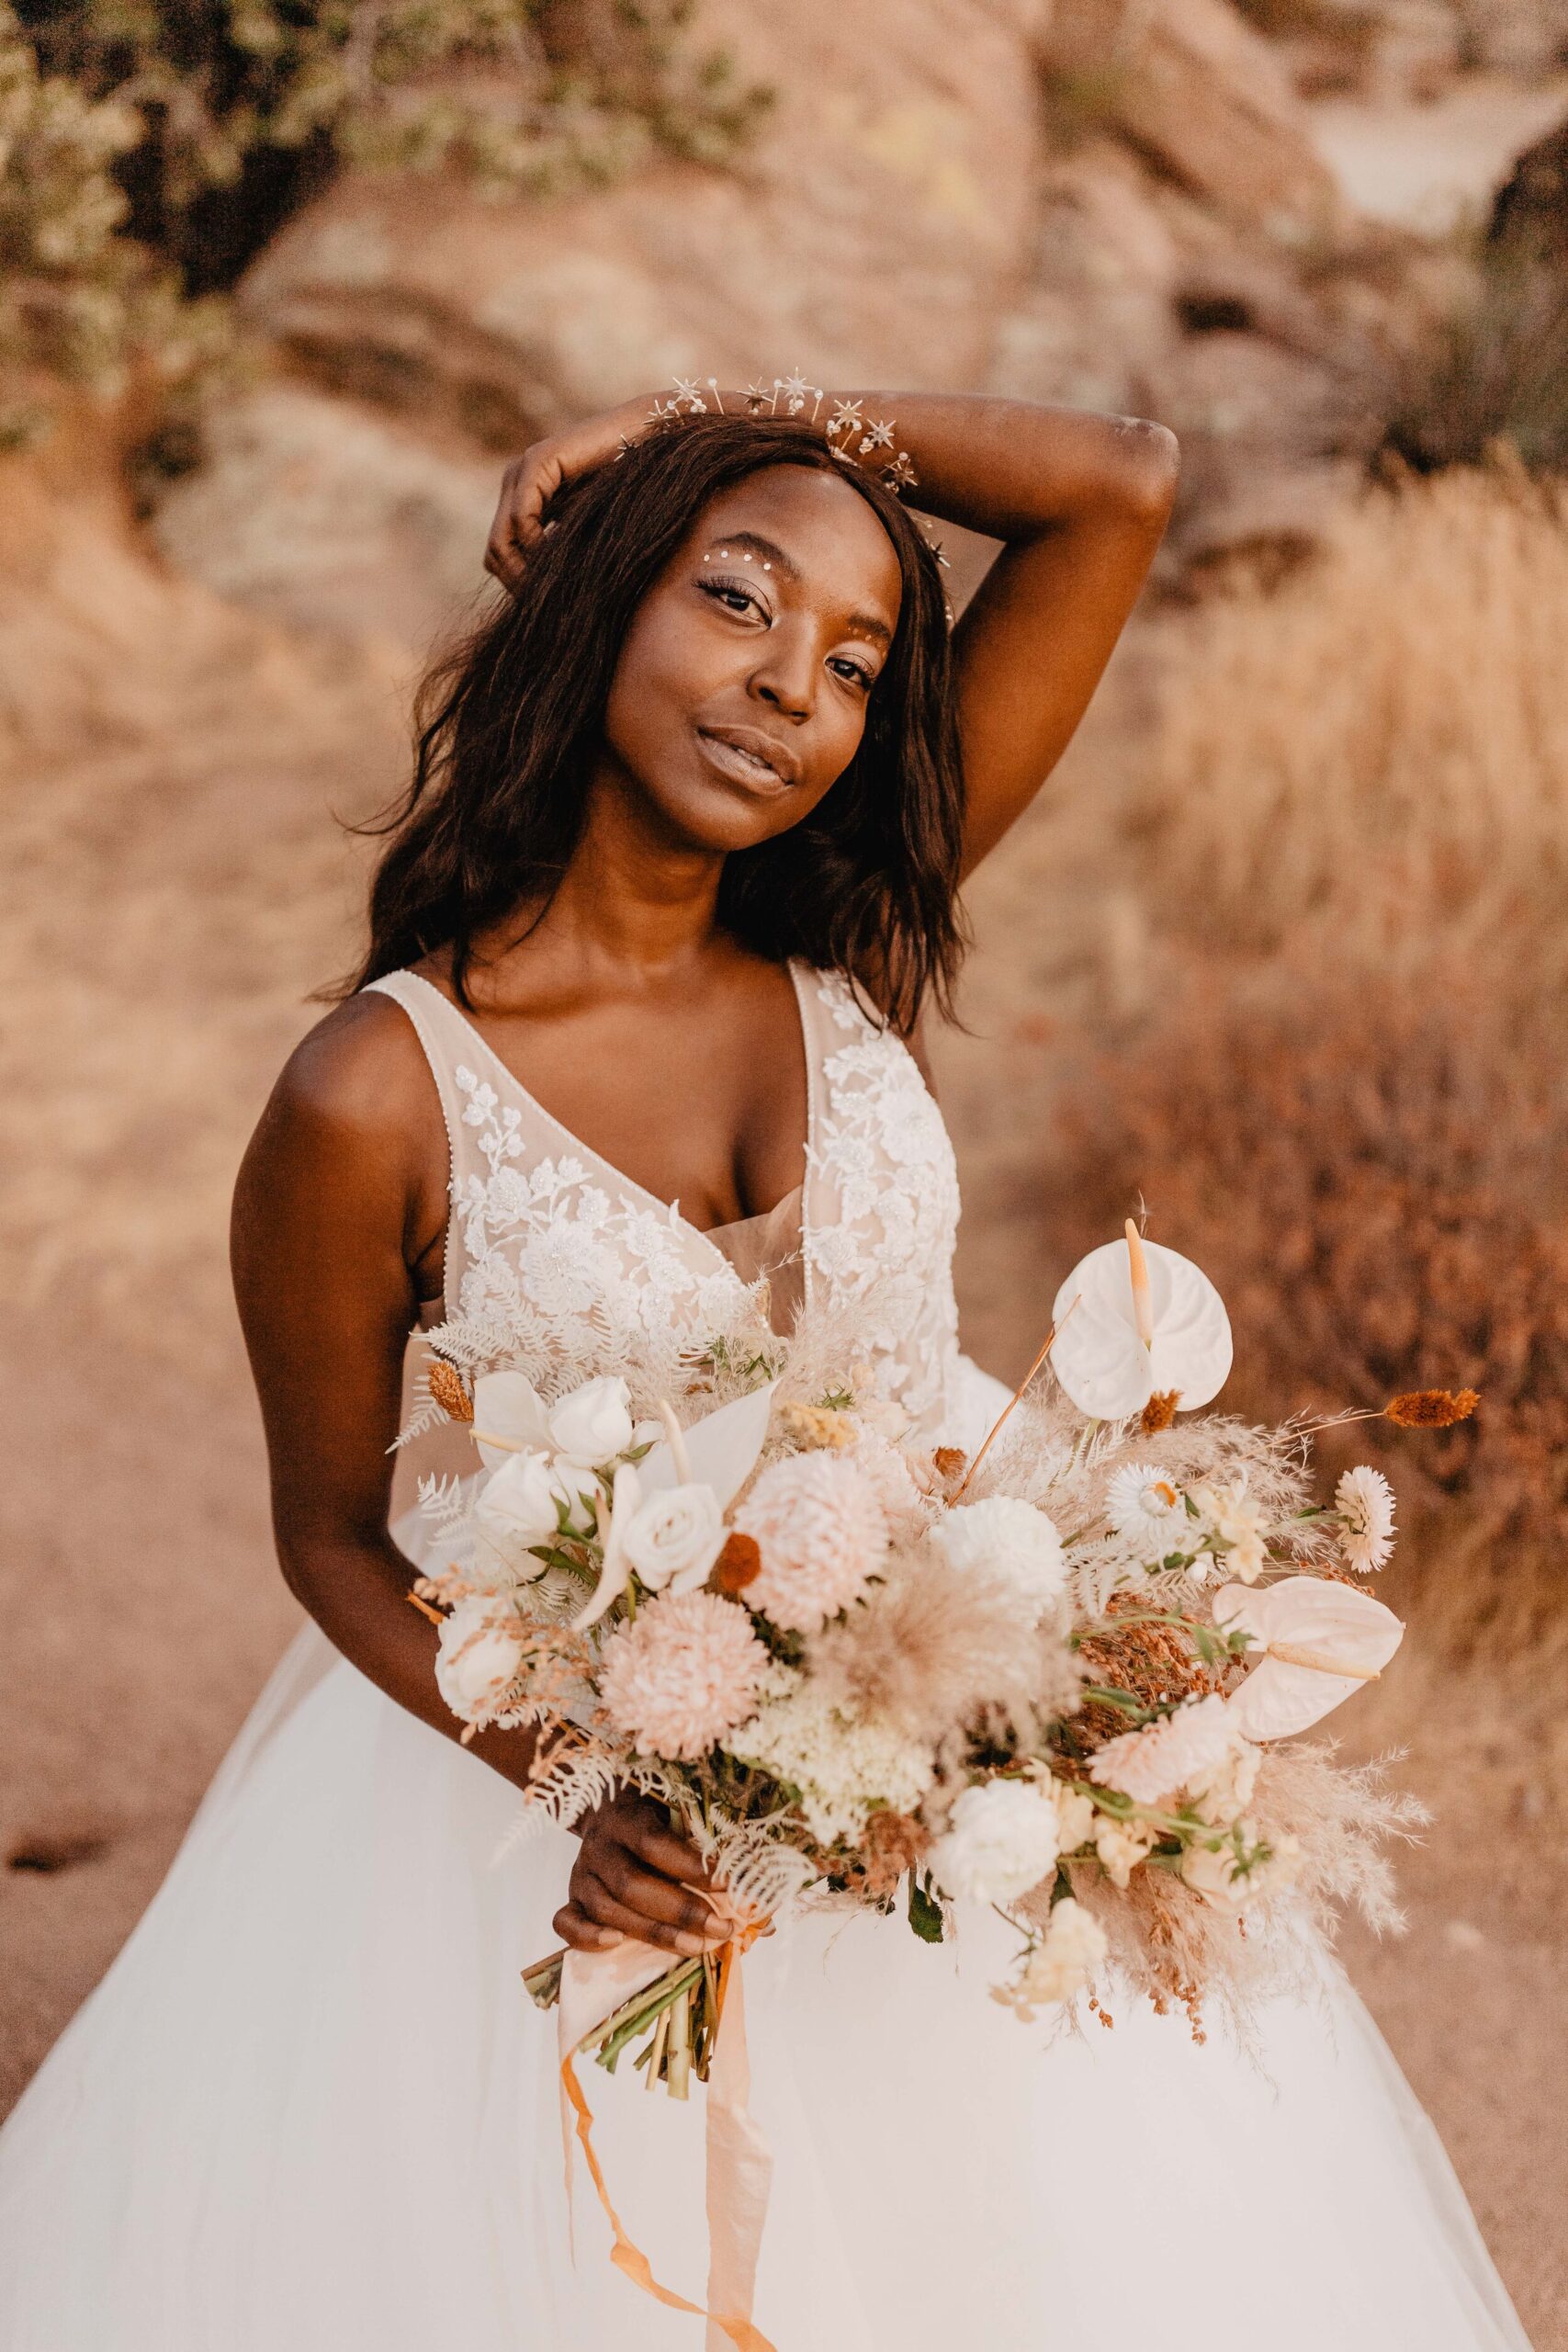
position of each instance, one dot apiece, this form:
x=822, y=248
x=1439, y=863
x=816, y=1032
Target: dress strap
x=444, y=1038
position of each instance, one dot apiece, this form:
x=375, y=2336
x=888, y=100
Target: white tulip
x=676, y=1538
x=1319, y=1642
x=509, y=1417
x=477, y=1658
x=595, y=1423
x=1133, y=1319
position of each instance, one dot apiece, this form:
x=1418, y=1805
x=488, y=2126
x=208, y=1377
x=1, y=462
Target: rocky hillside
x=1108, y=201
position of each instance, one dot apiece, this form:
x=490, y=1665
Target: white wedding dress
x=310, y=2109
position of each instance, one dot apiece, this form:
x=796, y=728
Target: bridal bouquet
x=1062, y=1678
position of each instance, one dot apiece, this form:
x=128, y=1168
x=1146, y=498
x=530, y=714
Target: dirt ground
x=180, y=896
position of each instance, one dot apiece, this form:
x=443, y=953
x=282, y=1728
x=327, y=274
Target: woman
x=680, y=863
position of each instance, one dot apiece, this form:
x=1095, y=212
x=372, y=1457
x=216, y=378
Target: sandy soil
x=184, y=894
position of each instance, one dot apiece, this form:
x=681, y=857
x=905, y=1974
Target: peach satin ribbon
x=740, y=2163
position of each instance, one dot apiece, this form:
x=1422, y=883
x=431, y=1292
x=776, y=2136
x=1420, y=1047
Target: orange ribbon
x=739, y=2162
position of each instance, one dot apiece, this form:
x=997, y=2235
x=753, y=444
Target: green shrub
x=148, y=148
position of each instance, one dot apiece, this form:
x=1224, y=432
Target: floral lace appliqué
x=887, y=1207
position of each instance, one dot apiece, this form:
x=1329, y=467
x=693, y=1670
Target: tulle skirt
x=310, y=2109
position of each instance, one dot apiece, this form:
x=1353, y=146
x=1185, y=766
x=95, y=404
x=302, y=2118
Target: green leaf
x=925, y=1912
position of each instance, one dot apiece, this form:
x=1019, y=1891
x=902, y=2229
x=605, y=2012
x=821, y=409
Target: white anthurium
x=1134, y=1320
x=616, y=1572
x=508, y=1418
x=1317, y=1643
x=720, y=1451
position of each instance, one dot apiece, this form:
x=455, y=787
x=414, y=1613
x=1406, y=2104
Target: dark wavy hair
x=508, y=724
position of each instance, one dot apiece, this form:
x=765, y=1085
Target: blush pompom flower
x=822, y=1533
x=1002, y=1839
x=1365, y=1502
x=1012, y=1538
x=685, y=1672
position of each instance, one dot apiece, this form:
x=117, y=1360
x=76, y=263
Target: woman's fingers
x=527, y=488
x=574, y=1927
x=659, y=1847
x=606, y=1909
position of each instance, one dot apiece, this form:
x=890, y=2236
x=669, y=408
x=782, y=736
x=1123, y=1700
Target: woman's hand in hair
x=531, y=481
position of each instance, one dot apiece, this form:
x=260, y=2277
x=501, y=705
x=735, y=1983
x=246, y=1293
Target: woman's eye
x=854, y=673
x=735, y=596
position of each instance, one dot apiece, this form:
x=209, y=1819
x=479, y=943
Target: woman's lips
x=737, y=765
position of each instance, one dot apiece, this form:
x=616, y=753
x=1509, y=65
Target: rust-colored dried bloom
x=446, y=1385
x=892, y=1843
x=950, y=1462
x=1160, y=1411
x=1432, y=1409
x=738, y=1563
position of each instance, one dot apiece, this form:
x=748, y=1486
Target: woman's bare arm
x=1079, y=502
x=341, y=1194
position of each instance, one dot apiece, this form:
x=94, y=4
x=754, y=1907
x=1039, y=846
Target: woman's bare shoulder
x=360, y=1074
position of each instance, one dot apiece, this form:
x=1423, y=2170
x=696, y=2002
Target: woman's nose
x=787, y=678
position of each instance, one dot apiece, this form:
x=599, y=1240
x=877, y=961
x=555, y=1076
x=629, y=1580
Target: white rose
x=595, y=1423
x=1002, y=1839
x=676, y=1538
x=1004, y=1534
x=519, y=1507
x=1061, y=1966
x=475, y=1660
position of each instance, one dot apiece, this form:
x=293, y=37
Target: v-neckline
x=671, y=1210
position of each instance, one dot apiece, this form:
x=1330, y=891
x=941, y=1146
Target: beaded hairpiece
x=850, y=435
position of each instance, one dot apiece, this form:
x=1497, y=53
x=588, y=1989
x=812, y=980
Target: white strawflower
x=822, y=1534
x=1061, y=1966
x=477, y=1658
x=676, y=1538
x=1230, y=1513
x=683, y=1672
x=595, y=1422
x=1221, y=1878
x=1002, y=1839
x=841, y=1764
x=1144, y=1505
x=1365, y=1502
x=1013, y=1538
x=1121, y=1846
x=1183, y=1751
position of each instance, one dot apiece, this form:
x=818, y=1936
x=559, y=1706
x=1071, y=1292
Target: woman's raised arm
x=1080, y=503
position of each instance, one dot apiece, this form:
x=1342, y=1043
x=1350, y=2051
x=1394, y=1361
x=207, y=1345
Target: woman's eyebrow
x=858, y=624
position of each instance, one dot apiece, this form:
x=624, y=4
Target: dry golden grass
x=1382, y=746
x=1339, y=1087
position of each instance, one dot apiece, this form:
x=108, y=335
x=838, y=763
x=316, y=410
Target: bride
x=639, y=1020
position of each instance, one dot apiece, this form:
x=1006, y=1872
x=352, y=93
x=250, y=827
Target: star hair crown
x=850, y=434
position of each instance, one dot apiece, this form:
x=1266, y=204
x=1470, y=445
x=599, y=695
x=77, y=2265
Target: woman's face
x=741, y=688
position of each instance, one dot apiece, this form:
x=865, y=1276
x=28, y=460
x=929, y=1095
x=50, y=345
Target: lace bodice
x=592, y=1272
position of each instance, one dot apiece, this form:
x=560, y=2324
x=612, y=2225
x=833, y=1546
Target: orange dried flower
x=892, y=1843
x=739, y=1563
x=1432, y=1409
x=950, y=1462
x=446, y=1385
x=1160, y=1411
